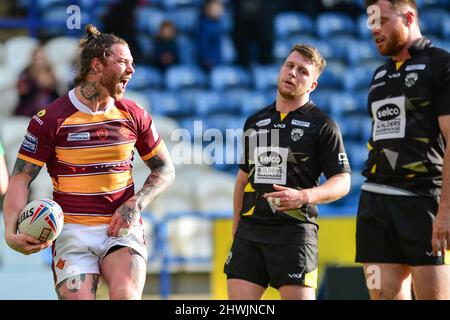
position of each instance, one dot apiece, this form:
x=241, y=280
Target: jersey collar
x=84, y=108
x=419, y=45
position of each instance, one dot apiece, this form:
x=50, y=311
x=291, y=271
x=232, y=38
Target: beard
x=113, y=86
x=290, y=94
x=394, y=43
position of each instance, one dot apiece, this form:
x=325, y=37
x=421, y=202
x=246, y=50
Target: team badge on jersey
x=411, y=79
x=296, y=134
x=102, y=134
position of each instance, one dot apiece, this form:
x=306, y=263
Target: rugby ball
x=42, y=219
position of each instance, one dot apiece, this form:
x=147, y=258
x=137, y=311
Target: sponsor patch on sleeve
x=30, y=143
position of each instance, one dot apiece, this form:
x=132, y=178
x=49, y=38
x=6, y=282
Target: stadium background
x=189, y=227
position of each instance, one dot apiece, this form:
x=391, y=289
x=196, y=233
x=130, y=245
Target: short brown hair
x=94, y=45
x=312, y=54
x=395, y=3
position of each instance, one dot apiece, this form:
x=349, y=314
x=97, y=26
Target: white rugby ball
x=42, y=219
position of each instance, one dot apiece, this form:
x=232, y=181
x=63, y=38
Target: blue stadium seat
x=358, y=78
x=184, y=77
x=254, y=101
x=185, y=19
x=210, y=102
x=148, y=19
x=173, y=4
x=357, y=154
x=322, y=98
x=325, y=49
x=340, y=45
x=227, y=77
x=187, y=49
x=167, y=104
x=227, y=21
x=363, y=52
x=228, y=50
x=363, y=29
x=54, y=20
x=432, y=21
x=265, y=76
x=281, y=49
x=188, y=97
x=145, y=77
x=332, y=76
x=343, y=104
x=290, y=23
x=233, y=97
x=333, y=23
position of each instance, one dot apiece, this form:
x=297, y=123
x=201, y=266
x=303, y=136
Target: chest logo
x=380, y=74
x=296, y=134
x=102, y=134
x=411, y=79
x=264, y=122
x=78, y=136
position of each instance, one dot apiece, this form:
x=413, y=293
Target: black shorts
x=272, y=264
x=395, y=229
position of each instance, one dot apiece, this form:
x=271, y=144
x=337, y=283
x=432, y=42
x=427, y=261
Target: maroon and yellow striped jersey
x=89, y=154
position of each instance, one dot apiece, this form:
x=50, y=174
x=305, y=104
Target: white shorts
x=79, y=249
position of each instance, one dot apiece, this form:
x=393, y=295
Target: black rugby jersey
x=406, y=148
x=293, y=152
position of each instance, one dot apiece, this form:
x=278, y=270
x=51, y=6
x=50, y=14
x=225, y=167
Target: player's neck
x=92, y=96
x=284, y=105
x=404, y=53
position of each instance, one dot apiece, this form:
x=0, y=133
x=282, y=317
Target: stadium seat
x=265, y=77
x=185, y=19
x=165, y=126
x=291, y=23
x=228, y=50
x=10, y=98
x=432, y=21
x=342, y=104
x=254, y=101
x=363, y=52
x=139, y=98
x=322, y=98
x=12, y=132
x=62, y=50
x=18, y=52
x=333, y=23
x=340, y=45
x=332, y=76
x=210, y=102
x=7, y=82
x=174, y=4
x=357, y=154
x=145, y=77
x=148, y=19
x=184, y=76
x=187, y=50
x=166, y=104
x=325, y=49
x=363, y=29
x=54, y=21
x=233, y=97
x=227, y=77
x=358, y=78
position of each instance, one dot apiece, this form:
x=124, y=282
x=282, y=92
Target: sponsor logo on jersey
x=61, y=263
x=300, y=123
x=411, y=79
x=124, y=132
x=376, y=85
x=343, y=159
x=295, y=275
x=78, y=136
x=279, y=125
x=102, y=134
x=269, y=158
x=264, y=122
x=380, y=74
x=394, y=75
x=37, y=119
x=296, y=134
x=388, y=112
x=30, y=143
x=415, y=67
x=41, y=113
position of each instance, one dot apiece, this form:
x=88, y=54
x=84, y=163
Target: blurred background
x=198, y=60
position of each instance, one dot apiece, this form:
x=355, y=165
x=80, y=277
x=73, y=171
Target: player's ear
x=313, y=86
x=96, y=65
x=409, y=17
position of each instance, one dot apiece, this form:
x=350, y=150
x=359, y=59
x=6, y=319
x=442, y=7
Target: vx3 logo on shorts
x=295, y=275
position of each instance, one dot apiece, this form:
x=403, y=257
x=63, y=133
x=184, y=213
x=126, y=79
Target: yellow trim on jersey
x=154, y=151
x=311, y=278
x=249, y=188
x=95, y=183
x=412, y=175
x=85, y=118
x=87, y=220
x=369, y=146
x=28, y=159
x=374, y=169
x=424, y=140
x=447, y=257
x=114, y=153
x=249, y=212
x=398, y=64
x=283, y=115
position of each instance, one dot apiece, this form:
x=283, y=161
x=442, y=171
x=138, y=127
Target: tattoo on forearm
x=30, y=169
x=89, y=90
x=128, y=212
x=158, y=180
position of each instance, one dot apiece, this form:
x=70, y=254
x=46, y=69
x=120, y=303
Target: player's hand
x=287, y=198
x=25, y=244
x=440, y=240
x=124, y=217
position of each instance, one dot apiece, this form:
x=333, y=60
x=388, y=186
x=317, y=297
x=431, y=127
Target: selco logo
x=269, y=158
x=388, y=112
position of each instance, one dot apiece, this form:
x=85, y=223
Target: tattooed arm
x=161, y=176
x=16, y=198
